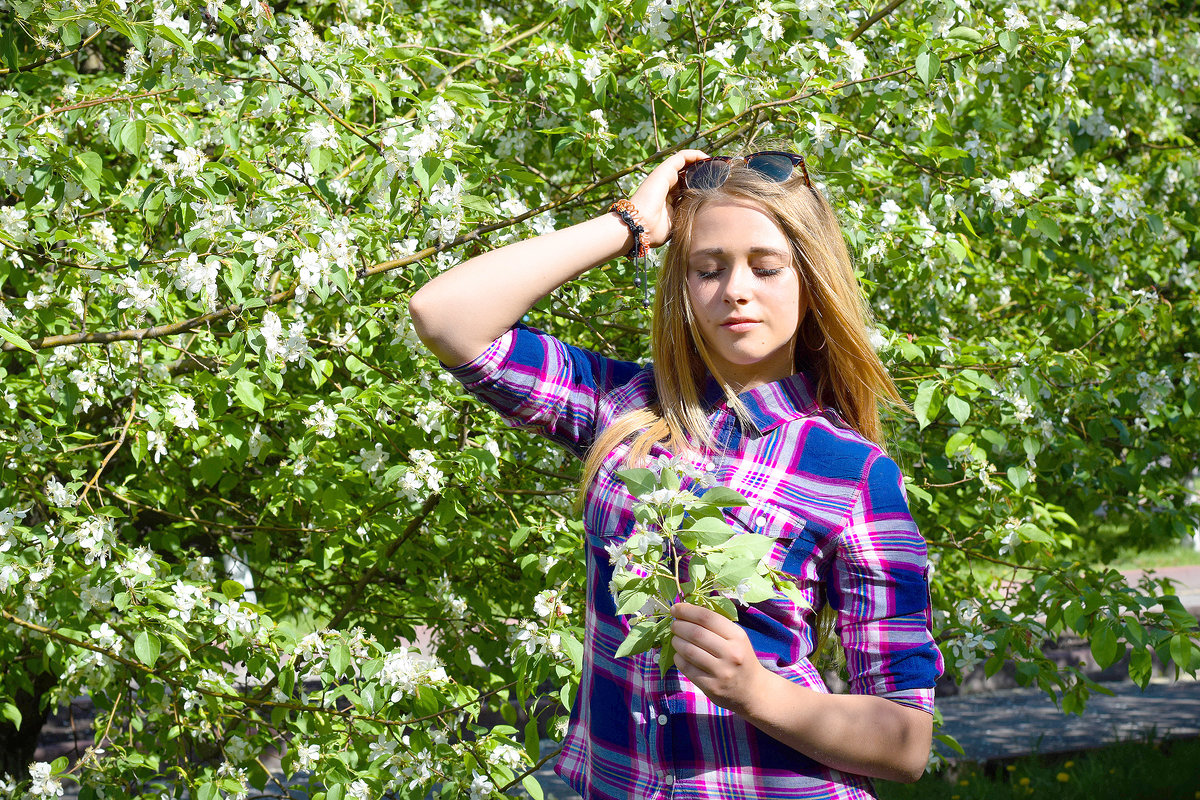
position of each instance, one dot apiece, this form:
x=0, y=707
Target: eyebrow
x=754, y=251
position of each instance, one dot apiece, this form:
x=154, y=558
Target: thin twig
x=52, y=59
x=91, y=484
x=116, y=98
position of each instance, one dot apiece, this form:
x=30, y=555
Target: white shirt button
x=669, y=780
x=662, y=719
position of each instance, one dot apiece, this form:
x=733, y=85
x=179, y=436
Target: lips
x=739, y=324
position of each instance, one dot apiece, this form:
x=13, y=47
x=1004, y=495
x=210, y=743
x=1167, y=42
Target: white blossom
x=189, y=161
x=372, y=460
x=104, y=636
x=891, y=212
x=58, y=495
x=307, y=755
x=488, y=23
x=768, y=21
x=181, y=411
x=592, y=69
x=323, y=419
x=856, y=59
x=659, y=14
x=1068, y=22
x=43, y=784
x=1015, y=19
x=481, y=787
x=317, y=134
x=235, y=618
x=547, y=603
x=186, y=598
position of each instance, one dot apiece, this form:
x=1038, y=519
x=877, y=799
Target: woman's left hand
x=716, y=655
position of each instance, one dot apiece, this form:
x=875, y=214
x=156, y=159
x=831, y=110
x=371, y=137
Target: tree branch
x=871, y=20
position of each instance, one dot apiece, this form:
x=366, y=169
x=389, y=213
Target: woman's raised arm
x=460, y=312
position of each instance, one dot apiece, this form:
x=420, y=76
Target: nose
x=737, y=284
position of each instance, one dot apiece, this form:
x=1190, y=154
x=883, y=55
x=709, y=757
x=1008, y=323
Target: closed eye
x=761, y=272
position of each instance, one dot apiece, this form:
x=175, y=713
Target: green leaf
x=666, y=656
x=92, y=163
x=631, y=601
x=147, y=647
x=643, y=636
x=533, y=739
x=1018, y=476
x=533, y=787
x=1008, y=41
x=950, y=742
x=8, y=49
x=428, y=171
x=11, y=713
x=339, y=658
x=251, y=395
x=749, y=546
x=15, y=340
x=320, y=158
x=232, y=590
x=959, y=409
x=1049, y=228
x=133, y=136
x=724, y=606
x=519, y=536
x=927, y=67
x=1141, y=667
x=208, y=791
x=638, y=481
x=574, y=648
x=709, y=531
x=1105, y=646
x=1181, y=651
x=928, y=403
x=965, y=34
x=723, y=497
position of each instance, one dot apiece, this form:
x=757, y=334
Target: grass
x=1129, y=771
x=1170, y=556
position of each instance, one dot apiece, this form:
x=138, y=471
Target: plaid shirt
x=835, y=505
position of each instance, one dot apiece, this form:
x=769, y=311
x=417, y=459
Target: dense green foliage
x=211, y=217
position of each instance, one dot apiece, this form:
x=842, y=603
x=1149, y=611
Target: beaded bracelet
x=626, y=210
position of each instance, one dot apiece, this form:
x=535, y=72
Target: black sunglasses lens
x=772, y=166
x=707, y=174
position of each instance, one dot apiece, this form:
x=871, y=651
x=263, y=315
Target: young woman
x=763, y=372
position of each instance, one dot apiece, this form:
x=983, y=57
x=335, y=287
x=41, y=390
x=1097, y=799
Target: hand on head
x=653, y=198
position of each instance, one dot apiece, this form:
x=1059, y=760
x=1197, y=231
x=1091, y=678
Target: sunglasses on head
x=773, y=165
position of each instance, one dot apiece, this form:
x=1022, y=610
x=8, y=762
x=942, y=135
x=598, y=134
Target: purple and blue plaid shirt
x=835, y=505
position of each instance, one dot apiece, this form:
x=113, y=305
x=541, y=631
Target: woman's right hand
x=653, y=198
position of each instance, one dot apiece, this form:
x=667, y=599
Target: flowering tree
x=212, y=215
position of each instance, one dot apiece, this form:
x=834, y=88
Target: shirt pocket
x=795, y=550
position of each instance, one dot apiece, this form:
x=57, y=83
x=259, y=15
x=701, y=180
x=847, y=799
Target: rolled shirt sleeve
x=535, y=381
x=880, y=590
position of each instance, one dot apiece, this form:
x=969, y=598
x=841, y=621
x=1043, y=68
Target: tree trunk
x=18, y=744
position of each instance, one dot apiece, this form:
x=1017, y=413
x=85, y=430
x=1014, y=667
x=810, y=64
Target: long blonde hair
x=849, y=377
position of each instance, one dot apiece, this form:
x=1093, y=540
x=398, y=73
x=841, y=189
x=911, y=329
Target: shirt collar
x=771, y=404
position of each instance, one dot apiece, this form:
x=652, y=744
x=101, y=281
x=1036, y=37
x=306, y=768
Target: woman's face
x=745, y=293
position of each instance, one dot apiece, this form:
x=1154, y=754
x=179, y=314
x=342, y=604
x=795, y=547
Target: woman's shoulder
x=828, y=446
x=636, y=392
